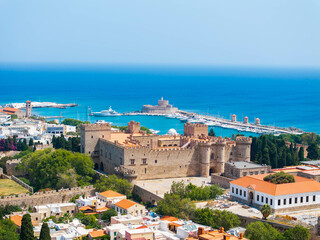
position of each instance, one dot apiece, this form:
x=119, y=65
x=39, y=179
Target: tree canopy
x=108, y=214
x=279, y=178
x=72, y=144
x=261, y=231
x=296, y=233
x=112, y=182
x=196, y=193
x=266, y=211
x=45, y=232
x=174, y=205
x=72, y=122
x=216, y=218
x=8, y=230
x=56, y=169
x=26, y=232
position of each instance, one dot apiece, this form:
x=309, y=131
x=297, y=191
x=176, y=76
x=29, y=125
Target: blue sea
x=281, y=97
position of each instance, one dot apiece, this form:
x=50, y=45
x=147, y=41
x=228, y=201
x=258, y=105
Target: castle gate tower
x=243, y=148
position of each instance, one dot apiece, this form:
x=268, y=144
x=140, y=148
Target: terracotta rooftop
x=17, y=219
x=169, y=218
x=97, y=233
x=301, y=185
x=125, y=204
x=110, y=193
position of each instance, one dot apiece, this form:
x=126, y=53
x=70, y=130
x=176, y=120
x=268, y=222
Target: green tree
x=313, y=151
x=26, y=228
x=261, y=231
x=108, y=214
x=296, y=233
x=279, y=178
x=56, y=169
x=174, y=205
x=216, y=218
x=301, y=154
x=72, y=122
x=8, y=230
x=112, y=182
x=266, y=211
x=31, y=142
x=45, y=232
x=212, y=133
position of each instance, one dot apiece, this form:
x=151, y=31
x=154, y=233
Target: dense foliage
x=26, y=232
x=8, y=209
x=195, y=193
x=112, y=182
x=12, y=144
x=72, y=144
x=279, y=178
x=216, y=218
x=108, y=214
x=72, y=122
x=174, y=205
x=271, y=150
x=57, y=169
x=261, y=231
x=296, y=233
x=89, y=220
x=264, y=231
x=212, y=133
x=8, y=230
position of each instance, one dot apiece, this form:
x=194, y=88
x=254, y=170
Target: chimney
x=200, y=231
x=221, y=230
x=241, y=236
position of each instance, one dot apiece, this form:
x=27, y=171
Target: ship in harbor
x=106, y=113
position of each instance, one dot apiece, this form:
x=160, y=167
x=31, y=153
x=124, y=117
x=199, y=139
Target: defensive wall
x=48, y=197
x=222, y=181
x=21, y=183
x=145, y=195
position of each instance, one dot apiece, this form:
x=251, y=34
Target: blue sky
x=281, y=33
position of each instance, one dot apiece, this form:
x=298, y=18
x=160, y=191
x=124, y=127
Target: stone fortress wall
x=48, y=197
x=143, y=156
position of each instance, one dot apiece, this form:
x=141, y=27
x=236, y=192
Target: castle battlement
x=95, y=126
x=243, y=140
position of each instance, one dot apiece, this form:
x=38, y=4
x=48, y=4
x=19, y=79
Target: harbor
x=167, y=110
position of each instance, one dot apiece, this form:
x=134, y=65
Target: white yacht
x=106, y=113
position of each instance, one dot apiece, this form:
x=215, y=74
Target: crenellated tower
x=90, y=135
x=243, y=148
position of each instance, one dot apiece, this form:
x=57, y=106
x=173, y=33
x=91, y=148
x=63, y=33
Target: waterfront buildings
x=163, y=107
x=136, y=155
x=302, y=194
x=13, y=111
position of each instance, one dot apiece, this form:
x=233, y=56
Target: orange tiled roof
x=97, y=233
x=169, y=218
x=17, y=219
x=111, y=193
x=9, y=109
x=103, y=209
x=84, y=208
x=125, y=204
x=301, y=185
x=141, y=227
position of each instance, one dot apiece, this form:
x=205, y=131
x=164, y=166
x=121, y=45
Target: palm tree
x=266, y=211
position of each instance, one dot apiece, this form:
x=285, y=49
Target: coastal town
x=80, y=180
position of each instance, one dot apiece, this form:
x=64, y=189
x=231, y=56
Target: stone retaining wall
x=221, y=180
x=48, y=197
x=23, y=184
x=145, y=195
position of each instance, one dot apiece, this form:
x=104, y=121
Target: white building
x=56, y=129
x=302, y=194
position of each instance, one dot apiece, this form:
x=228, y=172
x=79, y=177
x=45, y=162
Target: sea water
x=280, y=97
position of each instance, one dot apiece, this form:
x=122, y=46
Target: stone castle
x=163, y=107
x=136, y=155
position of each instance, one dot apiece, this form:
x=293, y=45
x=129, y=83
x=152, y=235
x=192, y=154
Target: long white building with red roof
x=302, y=194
